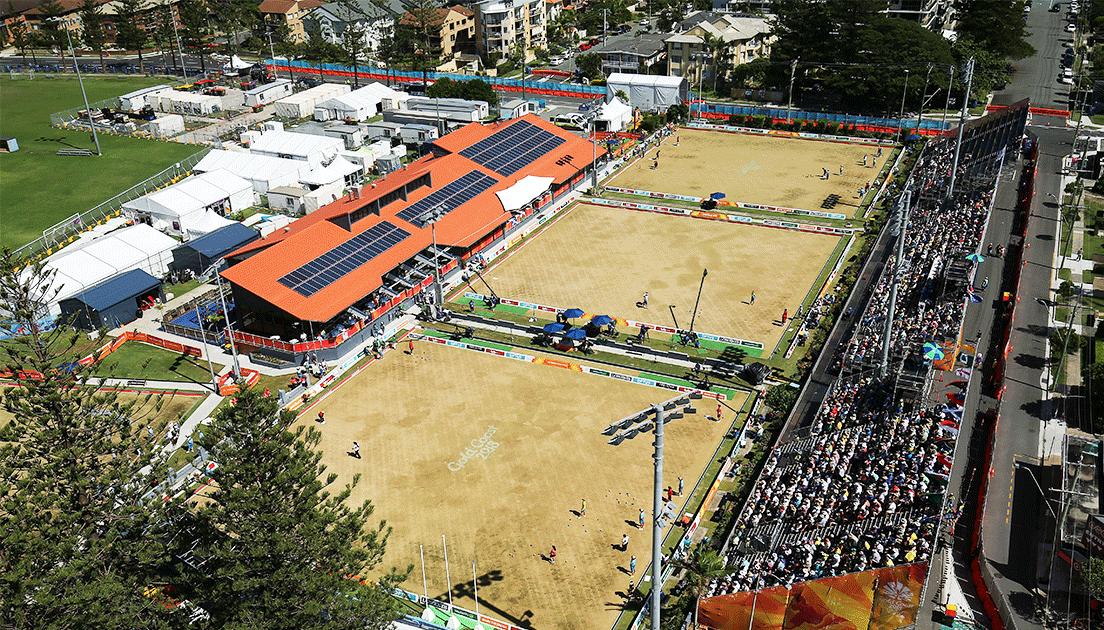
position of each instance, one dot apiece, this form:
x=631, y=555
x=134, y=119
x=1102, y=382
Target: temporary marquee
x=182, y=206
x=648, y=92
x=264, y=172
x=301, y=105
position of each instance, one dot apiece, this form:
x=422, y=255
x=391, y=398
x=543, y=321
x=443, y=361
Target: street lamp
x=430, y=218
x=76, y=67
x=901, y=116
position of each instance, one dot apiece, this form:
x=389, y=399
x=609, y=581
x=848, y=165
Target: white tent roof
x=205, y=191
x=205, y=224
x=316, y=93
x=335, y=172
x=524, y=191
x=248, y=165
x=223, y=180
x=614, y=110
x=296, y=144
x=366, y=96
x=654, y=80
x=84, y=264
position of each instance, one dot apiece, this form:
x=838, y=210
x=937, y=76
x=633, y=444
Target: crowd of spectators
x=937, y=234
x=862, y=490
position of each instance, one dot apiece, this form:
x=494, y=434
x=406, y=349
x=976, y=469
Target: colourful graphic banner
x=883, y=599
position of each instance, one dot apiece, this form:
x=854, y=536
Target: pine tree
x=276, y=543
x=92, y=30
x=193, y=24
x=51, y=32
x=129, y=34
x=81, y=541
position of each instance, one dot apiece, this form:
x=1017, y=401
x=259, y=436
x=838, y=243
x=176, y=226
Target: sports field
x=38, y=188
x=603, y=259
x=538, y=429
x=768, y=170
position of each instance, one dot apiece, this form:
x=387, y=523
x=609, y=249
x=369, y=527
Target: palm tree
x=702, y=565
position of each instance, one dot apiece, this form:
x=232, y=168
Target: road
x=1013, y=508
x=1036, y=77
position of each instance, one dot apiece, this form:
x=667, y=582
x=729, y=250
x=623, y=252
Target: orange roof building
x=364, y=252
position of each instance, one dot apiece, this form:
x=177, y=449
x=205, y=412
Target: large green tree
x=417, y=35
x=129, y=34
x=92, y=27
x=20, y=36
x=52, y=31
x=79, y=539
x=193, y=28
x=998, y=26
x=853, y=55
x=277, y=544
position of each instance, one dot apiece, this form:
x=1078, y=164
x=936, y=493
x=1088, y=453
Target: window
x=676, y=59
x=676, y=46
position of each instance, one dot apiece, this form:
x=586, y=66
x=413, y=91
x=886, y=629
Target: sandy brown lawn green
x=755, y=169
x=415, y=415
x=603, y=259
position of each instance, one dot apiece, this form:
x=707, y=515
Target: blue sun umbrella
x=575, y=333
x=572, y=313
x=553, y=328
x=717, y=195
x=601, y=320
x=975, y=258
x=933, y=351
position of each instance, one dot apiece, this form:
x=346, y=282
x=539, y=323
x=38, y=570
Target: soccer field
x=39, y=187
x=769, y=170
x=535, y=431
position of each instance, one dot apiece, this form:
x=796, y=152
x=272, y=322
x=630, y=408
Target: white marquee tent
x=301, y=104
x=182, y=209
x=616, y=115
x=314, y=150
x=262, y=171
x=648, y=92
x=359, y=104
x=85, y=264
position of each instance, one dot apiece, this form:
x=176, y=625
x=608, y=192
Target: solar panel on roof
x=513, y=148
x=335, y=264
x=450, y=196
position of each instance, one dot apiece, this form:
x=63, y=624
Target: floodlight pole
x=203, y=338
x=899, y=224
x=657, y=509
x=431, y=217
x=229, y=333
x=76, y=67
x=920, y=116
x=793, y=71
x=705, y=272
x=947, y=106
x=969, y=71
